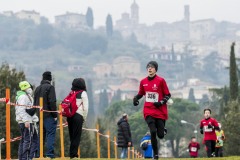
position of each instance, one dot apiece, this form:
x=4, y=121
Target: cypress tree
x=225, y=96
x=191, y=96
x=109, y=26
x=89, y=17
x=233, y=75
x=230, y=123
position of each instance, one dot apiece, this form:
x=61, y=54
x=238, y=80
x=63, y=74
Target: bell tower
x=186, y=13
x=134, y=13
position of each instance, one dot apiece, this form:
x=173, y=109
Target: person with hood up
x=47, y=91
x=155, y=110
x=75, y=123
x=147, y=146
x=124, y=139
x=27, y=120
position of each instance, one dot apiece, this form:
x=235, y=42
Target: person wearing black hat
x=155, y=112
x=124, y=136
x=47, y=91
x=75, y=123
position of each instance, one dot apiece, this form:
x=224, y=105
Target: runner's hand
x=135, y=101
x=158, y=104
x=210, y=126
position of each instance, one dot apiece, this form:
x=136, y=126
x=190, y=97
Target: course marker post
x=98, y=142
x=8, y=125
x=41, y=126
x=61, y=131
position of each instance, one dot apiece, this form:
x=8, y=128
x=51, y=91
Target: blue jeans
x=124, y=153
x=49, y=128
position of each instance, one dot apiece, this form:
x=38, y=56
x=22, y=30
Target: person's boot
x=213, y=154
x=155, y=157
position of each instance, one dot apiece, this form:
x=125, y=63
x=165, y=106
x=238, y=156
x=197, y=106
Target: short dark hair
x=193, y=137
x=207, y=109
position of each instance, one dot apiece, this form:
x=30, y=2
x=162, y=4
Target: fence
x=132, y=153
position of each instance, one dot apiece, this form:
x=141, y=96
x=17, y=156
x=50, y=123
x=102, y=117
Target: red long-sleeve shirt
x=154, y=91
x=193, y=148
x=209, y=133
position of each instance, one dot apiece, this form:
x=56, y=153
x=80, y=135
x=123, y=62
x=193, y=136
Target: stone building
x=29, y=15
x=72, y=21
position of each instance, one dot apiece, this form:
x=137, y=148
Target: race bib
x=206, y=129
x=152, y=97
x=193, y=149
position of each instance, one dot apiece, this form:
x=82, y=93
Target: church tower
x=186, y=13
x=134, y=13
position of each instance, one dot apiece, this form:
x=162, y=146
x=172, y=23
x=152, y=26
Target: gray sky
x=150, y=11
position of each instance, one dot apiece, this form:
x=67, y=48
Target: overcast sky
x=150, y=11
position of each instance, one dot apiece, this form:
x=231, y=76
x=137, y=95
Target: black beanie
x=154, y=64
x=78, y=84
x=47, y=76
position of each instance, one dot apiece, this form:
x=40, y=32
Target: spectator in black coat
x=124, y=135
x=47, y=91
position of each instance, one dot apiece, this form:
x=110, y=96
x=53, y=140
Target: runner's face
x=207, y=114
x=151, y=70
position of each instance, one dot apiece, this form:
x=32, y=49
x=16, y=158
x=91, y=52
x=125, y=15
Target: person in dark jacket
x=75, y=123
x=124, y=135
x=47, y=91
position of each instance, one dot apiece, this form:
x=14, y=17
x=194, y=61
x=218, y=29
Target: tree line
x=224, y=102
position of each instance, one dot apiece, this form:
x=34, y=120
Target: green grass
x=223, y=158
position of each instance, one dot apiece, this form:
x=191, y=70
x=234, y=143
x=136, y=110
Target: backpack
x=69, y=106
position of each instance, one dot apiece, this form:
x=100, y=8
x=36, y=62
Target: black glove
x=158, y=104
x=135, y=101
x=210, y=126
x=201, y=130
x=217, y=141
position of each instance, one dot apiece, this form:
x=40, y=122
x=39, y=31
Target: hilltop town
x=177, y=46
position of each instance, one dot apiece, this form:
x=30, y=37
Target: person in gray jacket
x=28, y=145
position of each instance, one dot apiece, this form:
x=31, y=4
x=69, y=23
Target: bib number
x=206, y=129
x=152, y=97
x=193, y=149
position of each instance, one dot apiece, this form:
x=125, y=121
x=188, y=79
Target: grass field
x=215, y=158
